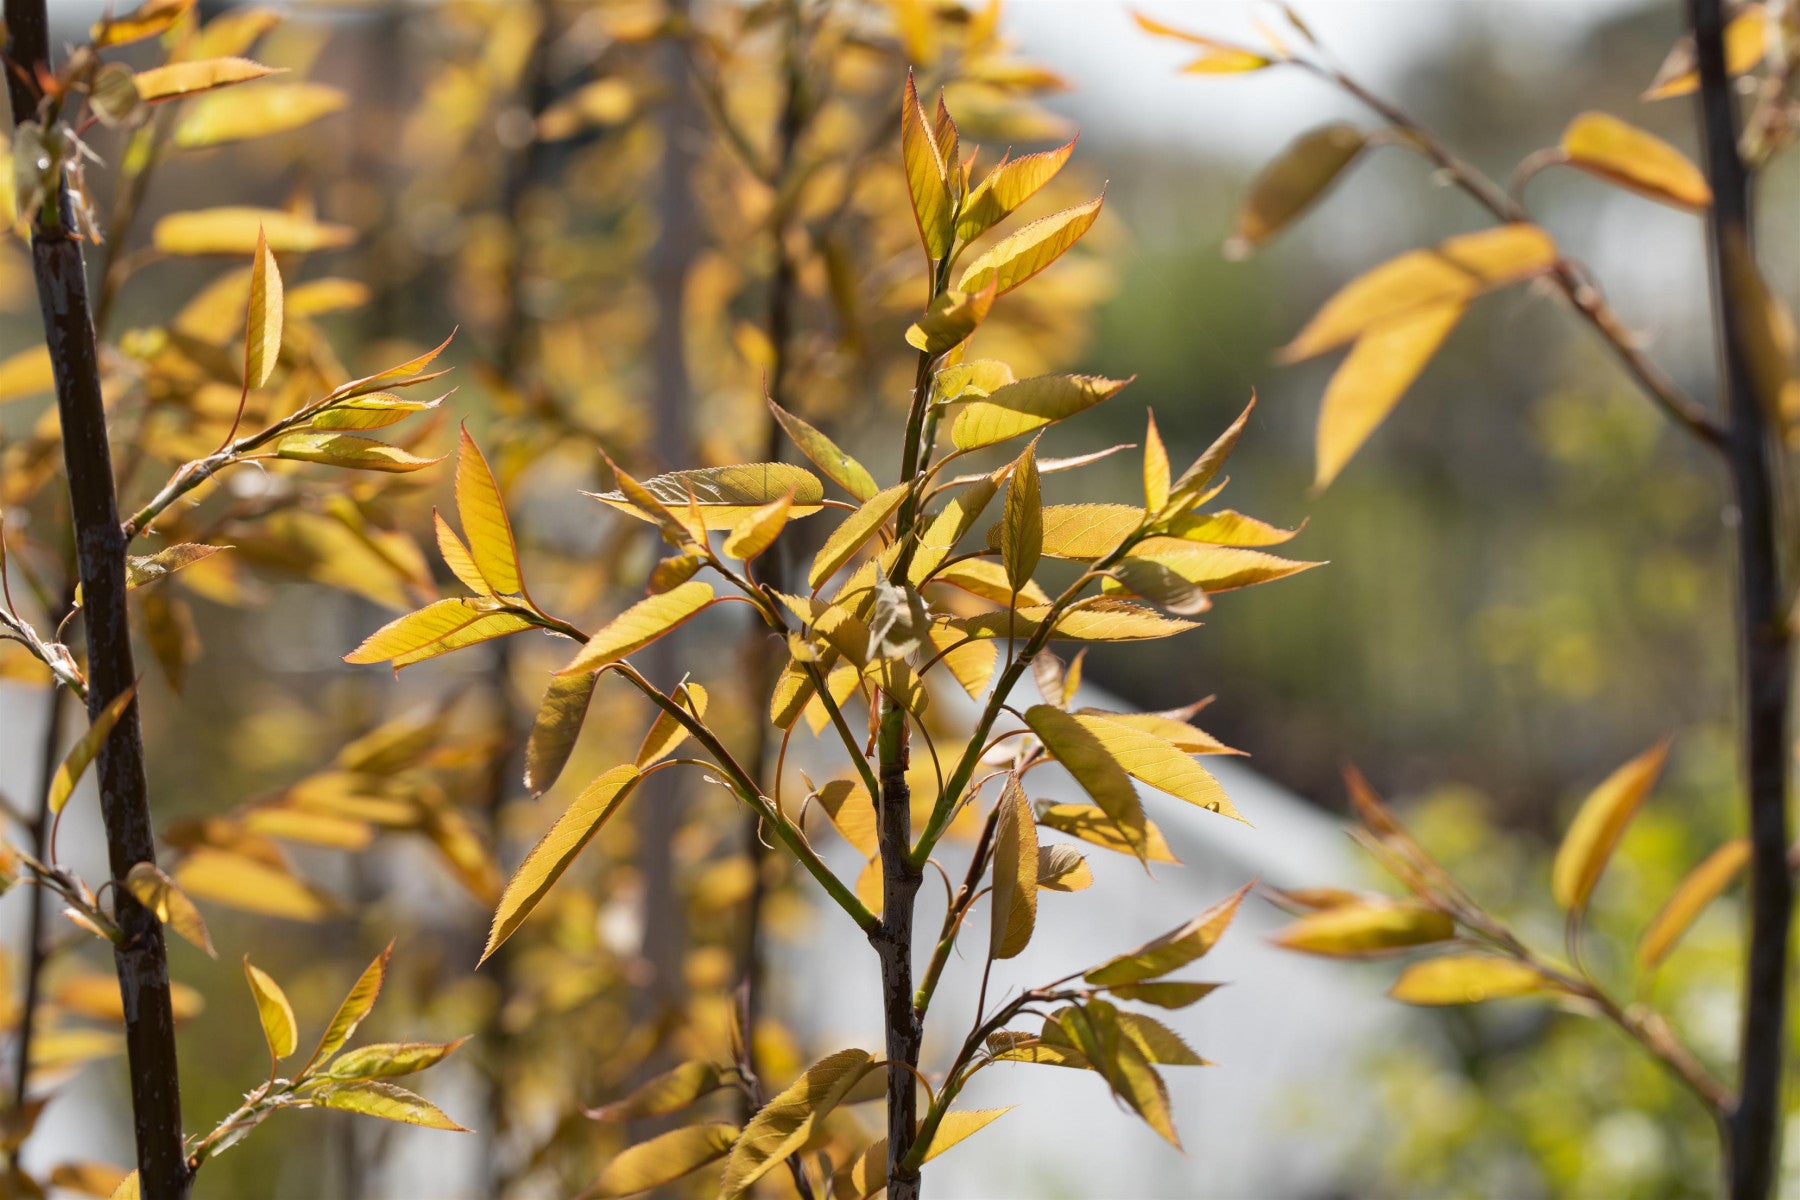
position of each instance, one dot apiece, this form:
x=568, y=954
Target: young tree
x=1394, y=318
x=901, y=603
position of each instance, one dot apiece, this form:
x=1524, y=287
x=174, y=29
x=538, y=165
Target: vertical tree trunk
x=893, y=943
x=1764, y=645
x=100, y=544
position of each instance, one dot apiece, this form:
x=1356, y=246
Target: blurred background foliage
x=1528, y=581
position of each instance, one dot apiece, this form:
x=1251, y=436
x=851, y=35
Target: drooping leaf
x=758, y=531
x=666, y=733
x=1094, y=767
x=986, y=578
x=173, y=81
x=169, y=904
x=785, y=1123
x=390, y=1102
x=1022, y=528
x=1382, y=364
x=1030, y=404
x=726, y=495
x=663, y=1159
x=234, y=230
x=75, y=763
x=1293, y=183
x=1094, y=1030
x=251, y=885
x=669, y=1092
x=482, y=511
x=556, y=727
x=557, y=849
x=1015, y=258
x=1467, y=979
x=280, y=1030
x=856, y=532
x=1216, y=57
x=1063, y=869
x=141, y=569
x=262, y=336
x=1014, y=898
x=1171, y=951
x=1746, y=44
x=639, y=625
x=1454, y=271
x=1599, y=824
x=1156, y=1041
x=1006, y=187
x=824, y=454
x=1621, y=153
x=1700, y=887
x=1358, y=930
x=1165, y=993
x=1138, y=752
x=953, y=318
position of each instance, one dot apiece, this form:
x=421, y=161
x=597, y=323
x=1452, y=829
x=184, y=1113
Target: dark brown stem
x=893, y=942
x=1753, y=1146
x=100, y=545
x=50, y=756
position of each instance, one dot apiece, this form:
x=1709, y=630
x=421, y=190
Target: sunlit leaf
x=26, y=373
x=785, y=1123
x=825, y=454
x=666, y=733
x=927, y=176
x=1598, y=825
x=555, y=728
x=280, y=1030
x=663, y=1159
x=954, y=316
x=1193, y=488
x=350, y=452
x=390, y=1102
x=1095, y=1031
x=234, y=230
x=948, y=526
x=1699, y=888
x=172, y=81
x=1454, y=271
x=75, y=763
x=1083, y=531
x=1227, y=528
x=147, y=20
x=758, y=531
x=1216, y=58
x=1022, y=527
x=1096, y=620
x=1165, y=993
x=142, y=569
x=250, y=885
x=269, y=108
x=669, y=1092
x=1092, y=825
x=1020, y=255
x=168, y=903
x=408, y=372
x=482, y=511
x=1357, y=930
x=1014, y=898
x=390, y=1060
x=1746, y=44
x=1063, y=869
x=1622, y=153
x=639, y=625
x=1171, y=951
x=855, y=533
x=1095, y=768
x=986, y=578
x=1215, y=568
x=1382, y=364
x=557, y=849
x=262, y=334
x=1293, y=183
x=1006, y=187
x=427, y=629
x=355, y=1007
x=1467, y=979
x=1156, y=469
x=726, y=495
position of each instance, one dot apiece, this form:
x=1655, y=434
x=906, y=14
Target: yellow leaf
x=316, y=297
x=1454, y=271
x=669, y=1092
x=949, y=525
x=234, y=230
x=427, y=629
x=663, y=1159
x=1006, y=187
x=1746, y=44
x=312, y=828
x=557, y=725
x=1293, y=183
x=279, y=1027
x=1020, y=255
x=953, y=318
x=927, y=176
x=986, y=578
x=215, y=118
x=866, y=1174
x=1084, y=531
x=1094, y=1030
x=170, y=905
x=1014, y=898
x=855, y=532
x=1597, y=827
x=1085, y=757
x=390, y=1102
x=456, y=556
x=758, y=530
x=1165, y=993
x=785, y=1123
x=26, y=373
x=1217, y=58
x=147, y=20
x=1030, y=404
x=1176, y=732
x=407, y=373
x=388, y=1060
x=1622, y=153
x=142, y=569
x=852, y=814
x=483, y=629
x=482, y=511
x=356, y=1005
x=262, y=327
x=173, y=81
x=666, y=733
x=1766, y=331
x=1467, y=979
x=557, y=849
x=1171, y=951
x=1382, y=364
x=75, y=763
x=232, y=32
x=1156, y=469
x=1701, y=887
x=128, y=1188
x=1227, y=528
x=351, y=453
x=639, y=625
x=603, y=102
x=1215, y=568
x=1144, y=756
x=825, y=454
x=1097, y=620
x=1191, y=490
x=1022, y=527
x=99, y=1180
x=250, y=885
x=1358, y=930
x=726, y=495
x=97, y=997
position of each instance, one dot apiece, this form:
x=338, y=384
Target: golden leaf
x=1467, y=979
x=1014, y=899
x=175, y=80
x=482, y=511
x=1596, y=829
x=1382, y=364
x=217, y=118
x=1699, y=888
x=639, y=625
x=663, y=1159
x=1357, y=930
x=1171, y=951
x=235, y=230
x=1015, y=258
x=280, y=1029
x=390, y=1102
x=1622, y=153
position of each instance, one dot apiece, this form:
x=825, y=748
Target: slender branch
x=49, y=756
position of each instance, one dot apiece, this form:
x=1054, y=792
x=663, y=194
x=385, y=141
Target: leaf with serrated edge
x=641, y=624
x=1022, y=527
x=1171, y=951
x=1293, y=183
x=1006, y=187
x=759, y=529
x=390, y=1102
x=785, y=1123
x=855, y=533
x=356, y=1005
x=557, y=849
x=390, y=1060
x=482, y=512
x=456, y=556
x=666, y=733
x=1367, y=385
x=1020, y=255
x=170, y=905
x=1030, y=404
x=1014, y=898
x=663, y=1159
x=669, y=1092
x=825, y=454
